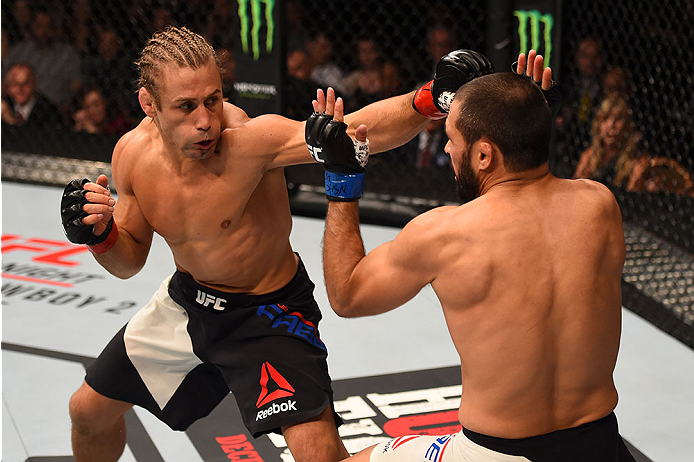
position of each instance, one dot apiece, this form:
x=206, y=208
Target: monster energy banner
x=258, y=53
x=538, y=28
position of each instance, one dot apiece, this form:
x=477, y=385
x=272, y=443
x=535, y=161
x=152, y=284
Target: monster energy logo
x=255, y=6
x=535, y=18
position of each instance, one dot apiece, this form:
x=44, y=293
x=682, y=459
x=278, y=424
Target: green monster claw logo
x=257, y=20
x=535, y=18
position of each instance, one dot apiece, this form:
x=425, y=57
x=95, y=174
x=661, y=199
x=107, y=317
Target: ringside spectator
x=23, y=104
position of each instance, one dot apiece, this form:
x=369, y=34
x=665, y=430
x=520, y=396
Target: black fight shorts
x=182, y=353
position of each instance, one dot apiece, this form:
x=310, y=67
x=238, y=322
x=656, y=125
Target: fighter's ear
x=486, y=154
x=147, y=102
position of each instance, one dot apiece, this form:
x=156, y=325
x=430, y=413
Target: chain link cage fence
x=624, y=67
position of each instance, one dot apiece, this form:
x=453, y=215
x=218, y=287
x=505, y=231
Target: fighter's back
x=531, y=293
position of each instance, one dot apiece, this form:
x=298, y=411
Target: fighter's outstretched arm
x=394, y=121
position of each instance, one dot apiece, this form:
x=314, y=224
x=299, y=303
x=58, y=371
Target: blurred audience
x=582, y=92
x=440, y=41
x=392, y=82
x=110, y=66
x=56, y=64
x=663, y=175
x=301, y=90
x=22, y=104
x=96, y=115
x=20, y=21
x=364, y=84
x=221, y=20
x=82, y=28
x=617, y=84
x=296, y=32
x=430, y=146
x=613, y=157
x=325, y=72
x=228, y=69
x=582, y=98
x=5, y=44
x=161, y=17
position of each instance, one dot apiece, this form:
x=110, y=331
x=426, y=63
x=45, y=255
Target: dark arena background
x=624, y=69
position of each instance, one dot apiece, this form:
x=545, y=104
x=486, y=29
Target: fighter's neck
x=515, y=179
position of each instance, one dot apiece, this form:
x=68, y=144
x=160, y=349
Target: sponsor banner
x=537, y=25
x=259, y=56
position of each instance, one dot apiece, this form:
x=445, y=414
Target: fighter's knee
x=91, y=412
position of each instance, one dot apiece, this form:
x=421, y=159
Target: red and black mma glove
x=343, y=159
x=72, y=213
x=552, y=96
x=452, y=71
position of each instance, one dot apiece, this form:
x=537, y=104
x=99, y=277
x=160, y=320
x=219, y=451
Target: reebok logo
x=207, y=299
x=289, y=405
x=284, y=389
x=281, y=389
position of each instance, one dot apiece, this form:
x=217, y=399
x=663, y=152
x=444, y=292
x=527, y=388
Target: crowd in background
x=65, y=67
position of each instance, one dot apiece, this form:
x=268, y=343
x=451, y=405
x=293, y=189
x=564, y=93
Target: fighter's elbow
x=123, y=274
x=344, y=313
x=343, y=307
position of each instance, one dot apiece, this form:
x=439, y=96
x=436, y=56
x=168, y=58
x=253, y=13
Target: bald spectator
x=55, y=64
x=22, y=104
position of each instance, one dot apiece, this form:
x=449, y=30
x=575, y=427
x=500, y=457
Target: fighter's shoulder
x=430, y=225
x=234, y=116
x=133, y=147
x=593, y=189
x=597, y=195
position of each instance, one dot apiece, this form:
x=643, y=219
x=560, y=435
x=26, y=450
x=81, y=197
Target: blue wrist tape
x=344, y=186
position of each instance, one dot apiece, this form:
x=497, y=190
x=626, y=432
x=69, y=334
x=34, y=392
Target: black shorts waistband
x=561, y=438
x=186, y=291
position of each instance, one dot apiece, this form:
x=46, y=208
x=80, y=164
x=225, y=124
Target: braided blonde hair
x=628, y=153
x=177, y=45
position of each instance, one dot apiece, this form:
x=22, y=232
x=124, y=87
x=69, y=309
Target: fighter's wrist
x=423, y=102
x=111, y=235
x=344, y=187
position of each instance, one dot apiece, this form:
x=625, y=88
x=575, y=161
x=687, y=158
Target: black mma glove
x=452, y=71
x=343, y=159
x=71, y=214
x=552, y=96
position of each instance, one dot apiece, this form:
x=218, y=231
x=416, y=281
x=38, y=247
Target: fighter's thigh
x=94, y=411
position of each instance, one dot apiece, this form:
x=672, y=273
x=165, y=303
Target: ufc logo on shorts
x=207, y=299
x=316, y=152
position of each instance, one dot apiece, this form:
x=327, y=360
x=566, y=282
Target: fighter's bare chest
x=197, y=209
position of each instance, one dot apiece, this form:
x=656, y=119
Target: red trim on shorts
x=105, y=246
x=443, y=449
x=404, y=439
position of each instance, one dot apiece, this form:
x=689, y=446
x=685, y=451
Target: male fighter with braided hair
x=527, y=270
x=238, y=312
